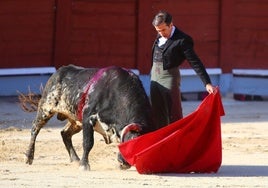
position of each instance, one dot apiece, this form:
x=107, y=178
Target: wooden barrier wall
x=228, y=34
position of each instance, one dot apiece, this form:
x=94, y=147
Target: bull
x=110, y=101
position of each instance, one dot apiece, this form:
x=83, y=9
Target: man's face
x=164, y=30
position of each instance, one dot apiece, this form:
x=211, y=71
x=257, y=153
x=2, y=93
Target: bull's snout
x=123, y=164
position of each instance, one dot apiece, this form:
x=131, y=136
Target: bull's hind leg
x=69, y=130
x=38, y=123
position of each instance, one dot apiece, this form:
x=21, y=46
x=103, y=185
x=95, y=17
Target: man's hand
x=210, y=88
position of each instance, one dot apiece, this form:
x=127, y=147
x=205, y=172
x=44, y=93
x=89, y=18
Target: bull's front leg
x=88, y=142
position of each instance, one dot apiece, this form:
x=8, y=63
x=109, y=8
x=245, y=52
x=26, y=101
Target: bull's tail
x=29, y=102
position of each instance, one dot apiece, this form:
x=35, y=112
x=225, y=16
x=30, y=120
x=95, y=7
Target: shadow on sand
x=230, y=171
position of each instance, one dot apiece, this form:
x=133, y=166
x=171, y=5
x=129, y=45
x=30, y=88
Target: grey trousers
x=165, y=94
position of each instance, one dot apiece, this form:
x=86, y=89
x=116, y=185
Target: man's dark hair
x=162, y=17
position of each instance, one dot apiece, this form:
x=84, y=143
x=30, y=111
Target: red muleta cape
x=192, y=144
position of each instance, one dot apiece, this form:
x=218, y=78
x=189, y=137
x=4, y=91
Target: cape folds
x=192, y=144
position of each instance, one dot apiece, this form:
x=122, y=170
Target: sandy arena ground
x=245, y=153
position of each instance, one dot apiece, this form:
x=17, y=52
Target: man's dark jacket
x=179, y=48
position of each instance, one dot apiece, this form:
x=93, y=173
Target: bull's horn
x=130, y=127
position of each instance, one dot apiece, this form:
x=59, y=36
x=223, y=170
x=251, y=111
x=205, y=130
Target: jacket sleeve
x=194, y=60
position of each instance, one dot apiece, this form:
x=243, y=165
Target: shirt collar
x=163, y=40
x=172, y=32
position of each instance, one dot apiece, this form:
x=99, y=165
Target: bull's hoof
x=74, y=159
x=28, y=160
x=84, y=166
